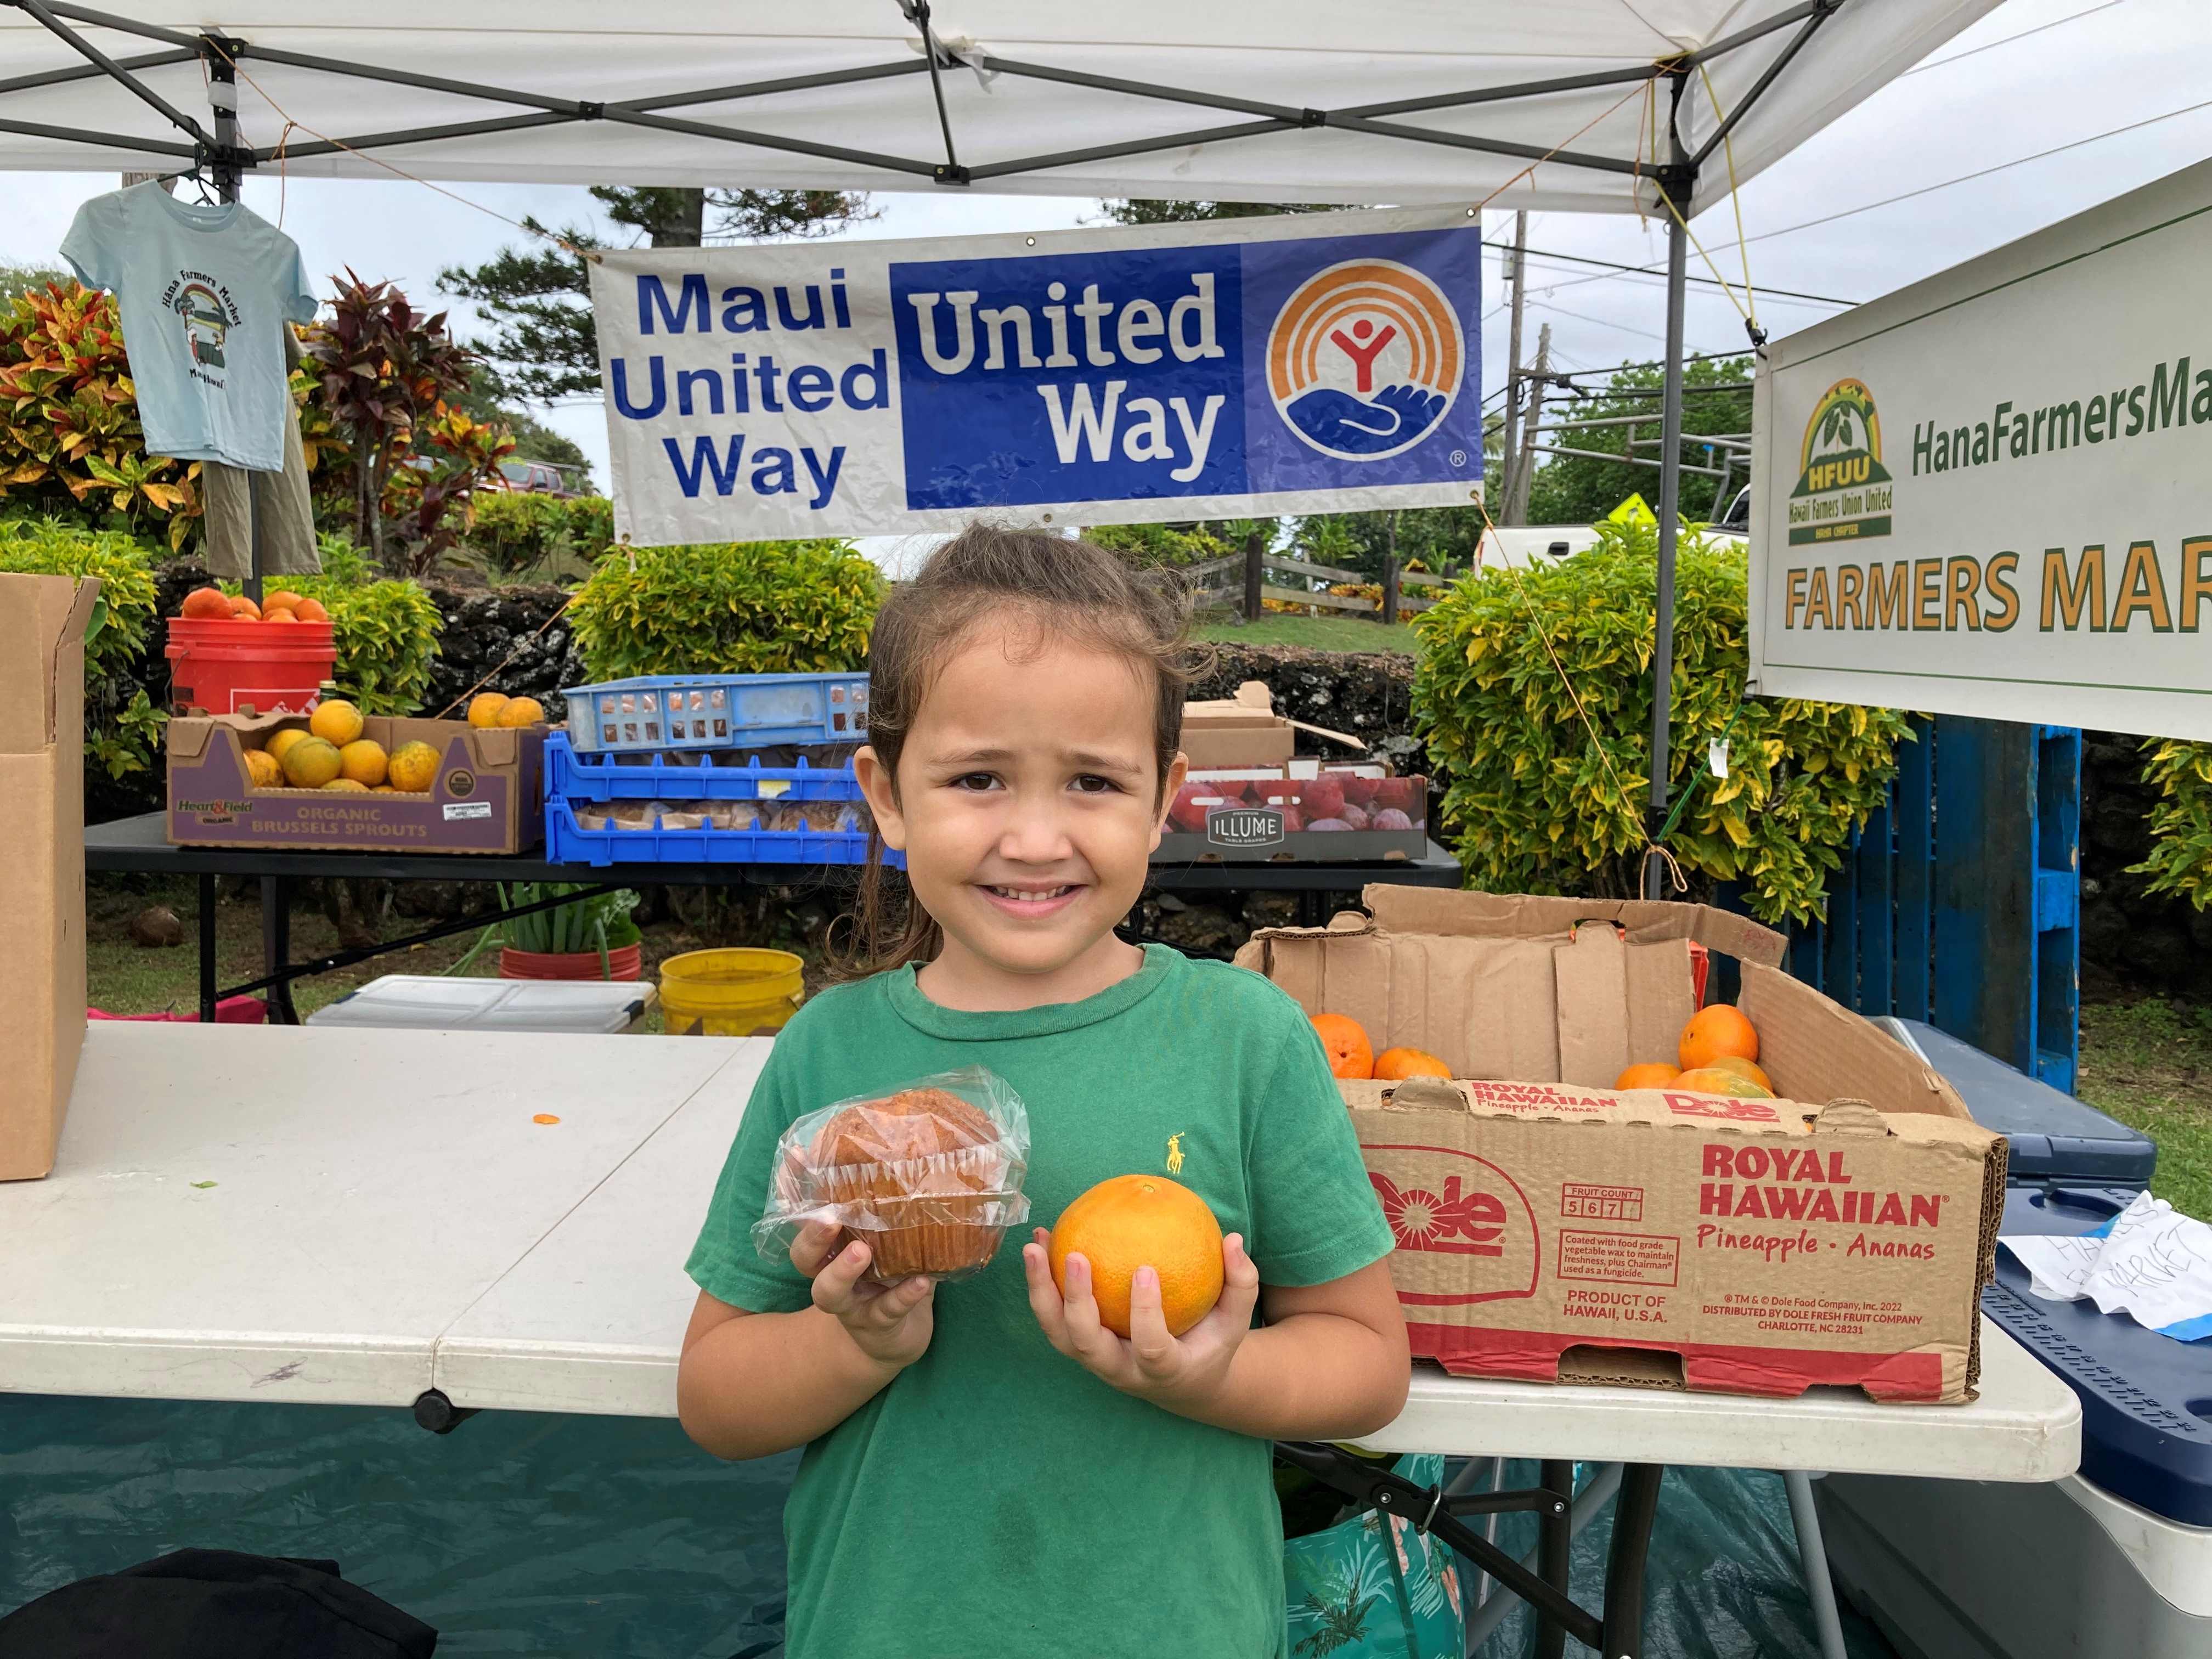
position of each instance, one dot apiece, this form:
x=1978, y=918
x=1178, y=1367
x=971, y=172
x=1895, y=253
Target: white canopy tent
x=1590, y=106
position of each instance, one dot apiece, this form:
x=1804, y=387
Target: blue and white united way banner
x=1304, y=364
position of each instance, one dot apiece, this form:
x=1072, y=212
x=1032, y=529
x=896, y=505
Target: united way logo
x=1364, y=359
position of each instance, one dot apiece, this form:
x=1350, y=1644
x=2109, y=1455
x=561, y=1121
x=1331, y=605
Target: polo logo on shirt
x=1174, y=1154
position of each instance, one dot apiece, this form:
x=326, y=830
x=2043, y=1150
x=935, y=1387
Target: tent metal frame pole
x=1819, y=12
x=644, y=113
x=93, y=71
x=1679, y=182
x=115, y=72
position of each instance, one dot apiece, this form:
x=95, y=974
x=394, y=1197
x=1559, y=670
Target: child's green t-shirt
x=996, y=1497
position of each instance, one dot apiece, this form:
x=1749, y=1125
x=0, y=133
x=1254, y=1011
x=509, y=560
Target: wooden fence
x=1242, y=578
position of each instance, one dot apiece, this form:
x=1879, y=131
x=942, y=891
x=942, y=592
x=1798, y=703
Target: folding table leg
x=1632, y=1516
x=1555, y=1540
x=277, y=946
x=1813, y=1552
x=207, y=949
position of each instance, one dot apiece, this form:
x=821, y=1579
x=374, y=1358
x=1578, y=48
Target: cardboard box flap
x=1466, y=912
x=1251, y=696
x=496, y=745
x=37, y=627
x=1806, y=1040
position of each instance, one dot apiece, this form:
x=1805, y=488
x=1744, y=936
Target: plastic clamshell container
x=226, y=666
x=670, y=775
x=569, y=842
x=715, y=711
x=425, y=1002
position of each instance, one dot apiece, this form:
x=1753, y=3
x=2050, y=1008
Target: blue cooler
x=2055, y=1139
x=2114, y=1562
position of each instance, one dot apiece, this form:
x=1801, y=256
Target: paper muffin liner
x=940, y=1213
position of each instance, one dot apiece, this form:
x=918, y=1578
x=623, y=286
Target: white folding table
x=380, y=1218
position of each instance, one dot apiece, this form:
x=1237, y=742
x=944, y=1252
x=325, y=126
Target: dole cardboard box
x=42, y=628
x=488, y=795
x=1552, y=1229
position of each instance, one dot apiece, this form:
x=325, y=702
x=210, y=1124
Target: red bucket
x=623, y=962
x=223, y=665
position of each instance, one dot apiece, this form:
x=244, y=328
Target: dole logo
x=1364, y=359
x=1464, y=1223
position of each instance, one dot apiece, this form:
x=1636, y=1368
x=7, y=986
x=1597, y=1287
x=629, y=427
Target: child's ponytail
x=1067, y=589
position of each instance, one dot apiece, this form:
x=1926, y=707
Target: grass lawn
x=1314, y=633
x=2150, y=1065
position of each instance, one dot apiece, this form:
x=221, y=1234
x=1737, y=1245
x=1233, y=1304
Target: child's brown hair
x=1062, y=588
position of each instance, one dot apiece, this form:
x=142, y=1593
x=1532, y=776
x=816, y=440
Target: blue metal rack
x=1960, y=903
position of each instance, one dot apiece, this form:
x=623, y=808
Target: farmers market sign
x=1315, y=363
x=1991, y=494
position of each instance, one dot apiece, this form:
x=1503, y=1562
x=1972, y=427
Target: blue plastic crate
x=687, y=775
x=716, y=711
x=567, y=841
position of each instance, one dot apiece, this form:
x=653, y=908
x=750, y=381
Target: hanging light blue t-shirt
x=203, y=291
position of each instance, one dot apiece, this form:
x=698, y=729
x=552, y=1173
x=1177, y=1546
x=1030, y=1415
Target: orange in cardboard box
x=1715, y=1032
x=1344, y=1042
x=1400, y=1063
x=1549, y=1228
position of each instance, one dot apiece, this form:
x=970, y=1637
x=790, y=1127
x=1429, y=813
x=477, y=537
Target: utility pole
x=1517, y=508
x=1390, y=567
x=1513, y=458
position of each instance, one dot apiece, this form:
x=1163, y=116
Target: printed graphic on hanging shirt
x=204, y=293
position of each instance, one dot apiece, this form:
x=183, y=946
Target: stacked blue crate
x=576, y=782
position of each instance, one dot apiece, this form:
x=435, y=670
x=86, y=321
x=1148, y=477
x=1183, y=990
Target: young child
x=988, y=1469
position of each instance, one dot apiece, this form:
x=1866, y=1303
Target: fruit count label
x=1310, y=363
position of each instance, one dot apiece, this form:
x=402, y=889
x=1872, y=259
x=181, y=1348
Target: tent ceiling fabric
x=1289, y=56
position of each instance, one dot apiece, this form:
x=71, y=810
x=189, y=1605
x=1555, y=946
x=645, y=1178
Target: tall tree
x=542, y=343
x=1144, y=212
x=1577, y=490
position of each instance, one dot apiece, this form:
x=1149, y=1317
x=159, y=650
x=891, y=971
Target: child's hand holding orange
x=1183, y=1373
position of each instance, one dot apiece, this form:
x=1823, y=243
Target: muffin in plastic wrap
x=929, y=1175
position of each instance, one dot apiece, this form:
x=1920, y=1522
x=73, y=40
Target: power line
x=1976, y=51
x=1616, y=265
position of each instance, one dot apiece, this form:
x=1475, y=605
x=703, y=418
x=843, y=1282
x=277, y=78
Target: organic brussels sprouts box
x=1551, y=1228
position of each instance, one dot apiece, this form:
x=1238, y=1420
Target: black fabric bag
x=215, y=1604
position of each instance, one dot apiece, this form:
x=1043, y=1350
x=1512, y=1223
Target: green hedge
x=744, y=608
x=2180, y=861
x=122, y=726
x=1539, y=804
x=519, y=532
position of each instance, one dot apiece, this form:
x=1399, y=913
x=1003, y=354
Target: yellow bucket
x=729, y=992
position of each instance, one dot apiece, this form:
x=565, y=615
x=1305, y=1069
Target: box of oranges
x=337, y=778
x=1591, y=1177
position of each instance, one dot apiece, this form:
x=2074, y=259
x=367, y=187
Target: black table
x=141, y=844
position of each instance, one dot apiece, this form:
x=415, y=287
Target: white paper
x=2152, y=1262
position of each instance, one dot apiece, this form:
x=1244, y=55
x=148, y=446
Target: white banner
x=1990, y=493
x=1307, y=363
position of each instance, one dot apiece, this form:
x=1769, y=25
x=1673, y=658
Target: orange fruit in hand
x=1396, y=1063
x=206, y=605
x=1719, y=1081
x=1651, y=1074
x=1717, y=1030
x=1350, y=1054
x=1743, y=1068
x=1136, y=1221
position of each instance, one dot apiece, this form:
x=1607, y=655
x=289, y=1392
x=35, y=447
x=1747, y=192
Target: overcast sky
x=2036, y=79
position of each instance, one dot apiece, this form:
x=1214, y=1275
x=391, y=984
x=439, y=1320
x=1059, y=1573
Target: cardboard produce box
x=42, y=623
x=1333, y=815
x=488, y=795
x=1239, y=731
x=1551, y=1229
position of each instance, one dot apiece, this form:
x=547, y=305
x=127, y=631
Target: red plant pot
x=623, y=962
